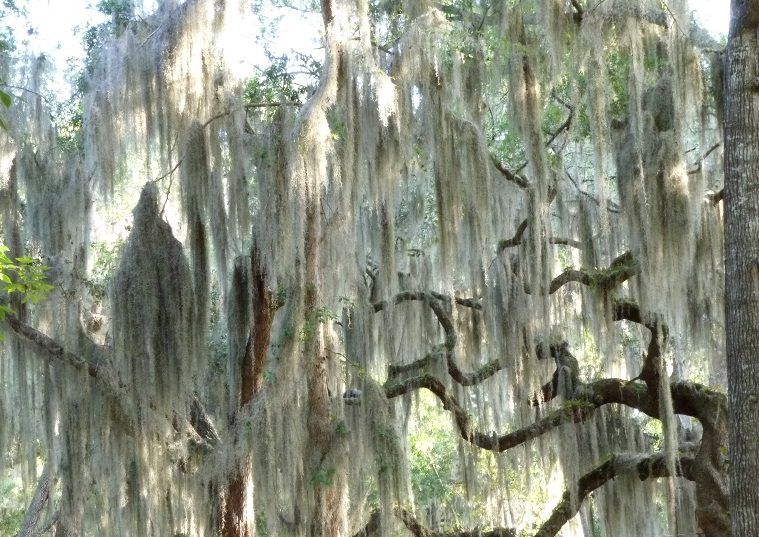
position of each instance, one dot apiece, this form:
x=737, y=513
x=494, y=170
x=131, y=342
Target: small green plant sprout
x=323, y=477
x=6, y=101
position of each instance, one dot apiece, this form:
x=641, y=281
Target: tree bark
x=742, y=262
x=252, y=372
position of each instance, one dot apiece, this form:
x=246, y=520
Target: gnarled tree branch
x=643, y=466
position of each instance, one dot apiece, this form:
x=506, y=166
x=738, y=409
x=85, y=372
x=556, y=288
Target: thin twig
x=610, y=205
x=20, y=88
x=700, y=162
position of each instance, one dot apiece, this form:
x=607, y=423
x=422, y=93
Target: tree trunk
x=742, y=262
x=252, y=372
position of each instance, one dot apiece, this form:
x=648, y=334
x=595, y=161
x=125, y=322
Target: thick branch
x=52, y=350
x=715, y=197
x=688, y=398
x=518, y=180
x=105, y=375
x=621, y=269
x=579, y=12
x=490, y=441
x=516, y=240
x=435, y=302
x=630, y=311
x=40, y=498
x=644, y=466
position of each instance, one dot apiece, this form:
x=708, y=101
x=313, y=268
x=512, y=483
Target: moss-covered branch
x=515, y=178
x=436, y=302
x=576, y=411
x=621, y=269
x=107, y=378
x=642, y=466
x=45, y=346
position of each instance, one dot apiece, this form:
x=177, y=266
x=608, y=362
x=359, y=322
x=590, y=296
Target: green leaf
x=6, y=99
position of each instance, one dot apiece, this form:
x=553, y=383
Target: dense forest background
x=457, y=271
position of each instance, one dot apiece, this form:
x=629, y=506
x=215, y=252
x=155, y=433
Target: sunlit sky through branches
x=56, y=27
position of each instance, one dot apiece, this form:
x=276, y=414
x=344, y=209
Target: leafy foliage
x=22, y=278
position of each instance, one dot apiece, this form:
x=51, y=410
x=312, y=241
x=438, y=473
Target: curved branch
x=107, y=377
x=436, y=303
x=688, y=398
x=621, y=269
x=699, y=164
x=491, y=441
x=517, y=179
x=611, y=206
x=52, y=350
x=643, y=466
x=630, y=311
x=516, y=240
x=29, y=526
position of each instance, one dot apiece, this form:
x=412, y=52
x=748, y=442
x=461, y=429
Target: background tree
x=509, y=206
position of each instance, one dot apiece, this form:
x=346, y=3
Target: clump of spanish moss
x=155, y=329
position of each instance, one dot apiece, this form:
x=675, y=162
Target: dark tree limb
x=372, y=526
x=516, y=240
x=700, y=162
x=106, y=377
x=659, y=333
x=564, y=126
x=435, y=302
x=643, y=466
x=621, y=269
x=490, y=441
x=688, y=398
x=579, y=11
x=101, y=371
x=715, y=197
x=48, y=347
x=515, y=178
x=29, y=526
x=466, y=302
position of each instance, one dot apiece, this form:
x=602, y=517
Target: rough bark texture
x=252, y=372
x=742, y=262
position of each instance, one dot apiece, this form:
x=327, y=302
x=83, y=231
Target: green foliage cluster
x=10, y=522
x=22, y=278
x=277, y=82
x=106, y=255
x=6, y=101
x=318, y=316
x=323, y=477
